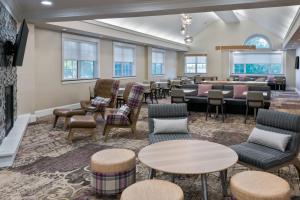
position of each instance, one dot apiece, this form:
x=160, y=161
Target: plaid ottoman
x=112, y=171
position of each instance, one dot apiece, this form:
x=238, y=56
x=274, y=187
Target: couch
x=234, y=106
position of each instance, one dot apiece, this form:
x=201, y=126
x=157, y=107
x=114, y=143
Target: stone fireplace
x=8, y=75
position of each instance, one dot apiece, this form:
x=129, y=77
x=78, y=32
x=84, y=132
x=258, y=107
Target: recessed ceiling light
x=46, y=3
x=64, y=29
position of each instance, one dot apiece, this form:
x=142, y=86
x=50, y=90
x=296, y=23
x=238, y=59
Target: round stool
x=112, y=171
x=258, y=185
x=153, y=190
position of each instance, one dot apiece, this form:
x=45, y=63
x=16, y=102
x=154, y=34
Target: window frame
x=196, y=69
x=163, y=64
x=259, y=36
x=283, y=70
x=124, y=45
x=84, y=39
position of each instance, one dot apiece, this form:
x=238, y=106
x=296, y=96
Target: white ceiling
x=276, y=20
x=68, y=10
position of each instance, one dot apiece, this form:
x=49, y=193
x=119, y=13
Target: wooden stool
x=66, y=113
x=79, y=121
x=258, y=185
x=112, y=171
x=153, y=190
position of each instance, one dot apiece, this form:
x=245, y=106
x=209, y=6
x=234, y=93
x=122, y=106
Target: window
x=124, y=60
x=80, y=60
x=195, y=64
x=258, y=63
x=158, y=62
x=260, y=41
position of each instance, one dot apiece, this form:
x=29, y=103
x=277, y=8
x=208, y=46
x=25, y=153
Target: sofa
x=234, y=106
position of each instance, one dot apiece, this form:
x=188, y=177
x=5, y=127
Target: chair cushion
x=260, y=156
x=239, y=90
x=154, y=138
x=123, y=110
x=135, y=96
x=203, y=89
x=270, y=139
x=79, y=121
x=117, y=119
x=170, y=126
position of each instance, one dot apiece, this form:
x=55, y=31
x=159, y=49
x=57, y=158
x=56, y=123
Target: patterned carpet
x=47, y=167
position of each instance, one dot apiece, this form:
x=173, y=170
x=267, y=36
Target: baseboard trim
x=49, y=111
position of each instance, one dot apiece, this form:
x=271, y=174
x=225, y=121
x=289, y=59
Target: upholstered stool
x=112, y=171
x=249, y=185
x=66, y=113
x=153, y=190
x=79, y=121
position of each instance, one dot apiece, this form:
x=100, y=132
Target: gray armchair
x=268, y=159
x=166, y=111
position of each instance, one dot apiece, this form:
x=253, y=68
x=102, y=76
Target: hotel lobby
x=149, y=100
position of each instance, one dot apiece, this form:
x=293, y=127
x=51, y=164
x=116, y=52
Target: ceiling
x=67, y=10
x=276, y=20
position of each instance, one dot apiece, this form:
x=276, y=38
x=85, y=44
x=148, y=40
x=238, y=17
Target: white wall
x=39, y=80
x=220, y=33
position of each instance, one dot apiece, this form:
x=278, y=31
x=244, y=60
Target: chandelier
x=186, y=21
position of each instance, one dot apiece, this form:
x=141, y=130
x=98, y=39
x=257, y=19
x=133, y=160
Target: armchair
x=166, y=111
x=119, y=120
x=105, y=88
x=264, y=158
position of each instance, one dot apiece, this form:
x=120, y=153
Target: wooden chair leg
x=133, y=129
x=55, y=120
x=66, y=123
x=255, y=109
x=105, y=132
x=94, y=136
x=96, y=115
x=246, y=116
x=102, y=115
x=207, y=108
x=151, y=97
x=70, y=136
x=222, y=110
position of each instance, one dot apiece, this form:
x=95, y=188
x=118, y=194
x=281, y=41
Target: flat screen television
x=297, y=62
x=20, y=44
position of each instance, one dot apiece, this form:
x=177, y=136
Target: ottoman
x=66, y=113
x=112, y=171
x=80, y=121
x=258, y=185
x=153, y=190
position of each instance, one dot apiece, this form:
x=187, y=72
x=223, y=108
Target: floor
x=47, y=167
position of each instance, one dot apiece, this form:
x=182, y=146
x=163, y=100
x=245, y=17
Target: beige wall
x=220, y=33
x=39, y=80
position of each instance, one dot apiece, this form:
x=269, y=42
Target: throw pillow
x=239, y=91
x=270, y=139
x=203, y=89
x=123, y=110
x=170, y=126
x=100, y=101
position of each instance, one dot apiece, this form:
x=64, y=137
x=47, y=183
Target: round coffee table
x=189, y=157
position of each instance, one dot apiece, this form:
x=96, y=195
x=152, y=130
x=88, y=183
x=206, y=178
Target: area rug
x=47, y=167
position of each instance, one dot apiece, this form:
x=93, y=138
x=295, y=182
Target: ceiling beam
x=147, y=8
x=228, y=17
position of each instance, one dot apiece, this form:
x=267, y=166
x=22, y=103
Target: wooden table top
x=188, y=157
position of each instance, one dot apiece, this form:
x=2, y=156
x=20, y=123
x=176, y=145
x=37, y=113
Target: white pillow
x=270, y=139
x=170, y=126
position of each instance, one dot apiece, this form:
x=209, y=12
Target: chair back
x=177, y=96
x=255, y=99
x=107, y=88
x=134, y=102
x=167, y=111
x=215, y=97
x=127, y=90
x=280, y=122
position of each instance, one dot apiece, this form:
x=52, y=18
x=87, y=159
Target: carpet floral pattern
x=48, y=168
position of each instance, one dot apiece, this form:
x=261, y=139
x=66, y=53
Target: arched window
x=260, y=41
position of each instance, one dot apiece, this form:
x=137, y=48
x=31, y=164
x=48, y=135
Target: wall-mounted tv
x=297, y=63
x=20, y=44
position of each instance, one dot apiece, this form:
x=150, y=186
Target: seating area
x=149, y=100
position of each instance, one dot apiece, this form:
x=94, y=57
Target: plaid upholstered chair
x=105, y=91
x=127, y=115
